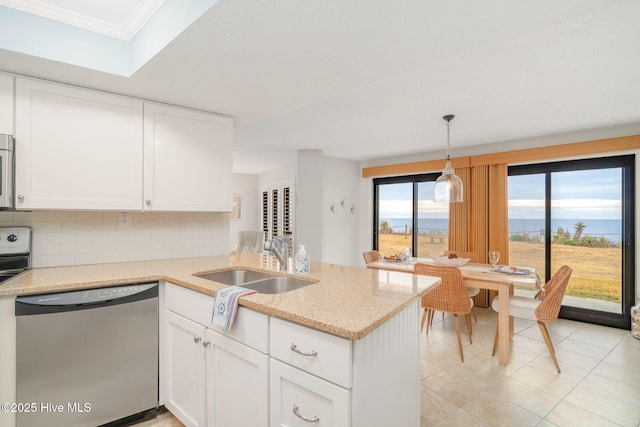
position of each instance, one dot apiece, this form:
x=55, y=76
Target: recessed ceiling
x=120, y=19
x=73, y=32
x=366, y=80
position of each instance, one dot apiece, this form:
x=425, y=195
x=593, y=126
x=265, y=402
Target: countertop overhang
x=345, y=301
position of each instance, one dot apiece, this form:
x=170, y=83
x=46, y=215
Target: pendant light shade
x=448, y=187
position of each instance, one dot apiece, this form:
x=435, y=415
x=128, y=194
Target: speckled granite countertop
x=346, y=301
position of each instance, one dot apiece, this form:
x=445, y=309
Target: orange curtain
x=479, y=233
x=487, y=223
x=460, y=214
x=498, y=220
x=480, y=223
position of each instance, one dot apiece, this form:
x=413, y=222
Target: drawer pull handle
x=315, y=418
x=196, y=339
x=295, y=348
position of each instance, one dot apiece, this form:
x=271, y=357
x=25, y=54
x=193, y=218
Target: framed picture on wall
x=235, y=206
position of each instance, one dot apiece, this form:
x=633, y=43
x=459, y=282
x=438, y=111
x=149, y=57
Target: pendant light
x=448, y=186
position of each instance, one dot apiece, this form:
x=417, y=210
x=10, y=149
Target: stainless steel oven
x=15, y=251
x=7, y=172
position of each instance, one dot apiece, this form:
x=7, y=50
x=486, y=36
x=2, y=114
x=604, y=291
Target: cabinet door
x=237, y=384
x=6, y=104
x=8, y=357
x=301, y=399
x=187, y=160
x=185, y=369
x=77, y=148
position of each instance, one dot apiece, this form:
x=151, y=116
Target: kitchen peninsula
x=369, y=316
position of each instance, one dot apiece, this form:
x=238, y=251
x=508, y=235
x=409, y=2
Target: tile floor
x=599, y=384
x=164, y=419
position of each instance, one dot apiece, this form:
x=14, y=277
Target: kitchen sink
x=277, y=285
x=235, y=277
x=264, y=283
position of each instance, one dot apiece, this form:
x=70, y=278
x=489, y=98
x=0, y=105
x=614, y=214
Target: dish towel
x=225, y=306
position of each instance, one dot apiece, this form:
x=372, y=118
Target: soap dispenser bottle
x=302, y=260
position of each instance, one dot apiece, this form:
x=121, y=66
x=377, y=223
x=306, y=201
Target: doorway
x=579, y=213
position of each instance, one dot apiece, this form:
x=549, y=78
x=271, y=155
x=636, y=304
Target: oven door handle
x=12, y=272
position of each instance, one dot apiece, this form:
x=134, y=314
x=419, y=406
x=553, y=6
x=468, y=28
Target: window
x=265, y=213
x=405, y=216
x=275, y=218
x=278, y=211
x=579, y=213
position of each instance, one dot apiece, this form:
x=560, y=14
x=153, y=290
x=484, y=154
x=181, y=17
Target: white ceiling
x=364, y=79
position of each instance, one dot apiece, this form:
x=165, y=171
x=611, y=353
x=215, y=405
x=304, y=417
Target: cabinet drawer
x=296, y=394
x=250, y=327
x=319, y=353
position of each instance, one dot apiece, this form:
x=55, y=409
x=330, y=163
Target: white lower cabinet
x=272, y=372
x=237, y=384
x=311, y=376
x=321, y=379
x=185, y=370
x=8, y=357
x=301, y=399
x=212, y=379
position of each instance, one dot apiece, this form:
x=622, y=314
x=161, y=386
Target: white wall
x=280, y=174
x=310, y=203
x=76, y=238
x=246, y=186
x=341, y=188
x=321, y=181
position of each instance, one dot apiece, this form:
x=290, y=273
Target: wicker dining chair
x=450, y=296
x=543, y=310
x=474, y=257
x=371, y=256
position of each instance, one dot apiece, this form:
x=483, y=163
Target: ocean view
x=610, y=229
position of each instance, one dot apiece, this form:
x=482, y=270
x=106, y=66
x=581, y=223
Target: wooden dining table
x=478, y=276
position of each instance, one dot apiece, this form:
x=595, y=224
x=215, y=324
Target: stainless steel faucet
x=280, y=248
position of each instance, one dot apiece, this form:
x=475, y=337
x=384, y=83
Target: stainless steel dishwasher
x=89, y=357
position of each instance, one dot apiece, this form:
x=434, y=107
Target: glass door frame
x=404, y=179
x=627, y=164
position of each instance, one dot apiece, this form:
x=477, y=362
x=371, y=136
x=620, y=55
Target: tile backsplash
x=75, y=238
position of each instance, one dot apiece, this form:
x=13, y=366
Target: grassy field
x=596, y=271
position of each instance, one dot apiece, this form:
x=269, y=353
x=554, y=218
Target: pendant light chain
x=448, y=147
x=448, y=119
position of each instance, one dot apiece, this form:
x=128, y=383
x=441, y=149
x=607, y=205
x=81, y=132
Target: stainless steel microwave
x=7, y=169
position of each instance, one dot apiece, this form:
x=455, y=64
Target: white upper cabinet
x=6, y=104
x=77, y=148
x=187, y=160
x=81, y=149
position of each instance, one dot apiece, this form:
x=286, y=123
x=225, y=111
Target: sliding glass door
x=405, y=216
x=394, y=220
x=581, y=214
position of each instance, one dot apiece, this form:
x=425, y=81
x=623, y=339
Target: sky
x=395, y=201
x=590, y=194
